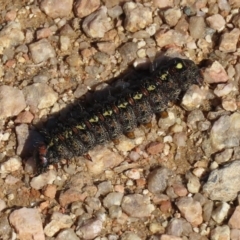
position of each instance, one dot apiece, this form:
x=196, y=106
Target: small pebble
x=221, y=232
x=197, y=27
x=11, y=165
x=234, y=219
x=83, y=8
x=222, y=183
x=113, y=199
x=97, y=24
x=40, y=95
x=12, y=101
x=172, y=16
x=50, y=191
x=67, y=234
x=133, y=174
x=58, y=221
x=157, y=180
x=216, y=22
x=191, y=210
x=41, y=51
x=3, y=205
x=215, y=74
x=221, y=212
x=137, y=16
x=56, y=9
x=228, y=42
x=43, y=179
x=27, y=222
x=90, y=230
x=137, y=205
x=130, y=236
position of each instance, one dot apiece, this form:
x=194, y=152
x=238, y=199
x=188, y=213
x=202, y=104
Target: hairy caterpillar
x=119, y=114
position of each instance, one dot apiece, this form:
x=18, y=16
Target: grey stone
x=41, y=51
x=56, y=8
x=223, y=184
x=225, y=132
x=97, y=24
x=12, y=101
x=157, y=180
x=137, y=205
x=40, y=95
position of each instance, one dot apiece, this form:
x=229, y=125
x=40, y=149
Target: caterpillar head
x=41, y=158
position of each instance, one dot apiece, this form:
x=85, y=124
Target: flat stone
x=163, y=3
x=137, y=205
x=11, y=165
x=102, y=159
x=155, y=148
x=113, y=199
x=22, y=132
x=191, y=210
x=27, y=223
x=44, y=33
x=56, y=8
x=157, y=180
x=223, y=184
x=221, y=212
x=41, y=51
x=229, y=41
x=12, y=101
x=11, y=35
x=215, y=73
x=58, y=221
x=225, y=89
x=115, y=12
x=97, y=24
x=90, y=230
x=223, y=156
x=171, y=37
x=128, y=52
x=137, y=16
x=83, y=8
x=179, y=227
x=221, y=232
x=24, y=117
x=130, y=236
x=207, y=210
x=40, y=95
x=229, y=104
x=71, y=195
x=225, y=132
x=197, y=27
x=67, y=234
x=41, y=180
x=169, y=237
x=234, y=219
x=50, y=191
x=172, y=16
x=235, y=234
x=216, y=22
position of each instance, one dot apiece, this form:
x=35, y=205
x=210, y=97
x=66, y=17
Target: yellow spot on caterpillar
x=123, y=105
x=93, y=119
x=107, y=113
x=81, y=127
x=164, y=76
x=137, y=96
x=151, y=87
x=179, y=65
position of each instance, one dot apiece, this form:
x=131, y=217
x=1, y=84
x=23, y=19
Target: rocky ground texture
x=178, y=180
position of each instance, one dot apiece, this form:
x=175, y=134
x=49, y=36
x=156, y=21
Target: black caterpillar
x=119, y=114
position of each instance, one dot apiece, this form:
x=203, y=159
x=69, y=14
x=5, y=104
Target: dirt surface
x=176, y=180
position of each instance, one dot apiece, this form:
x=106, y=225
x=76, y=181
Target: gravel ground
x=177, y=180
